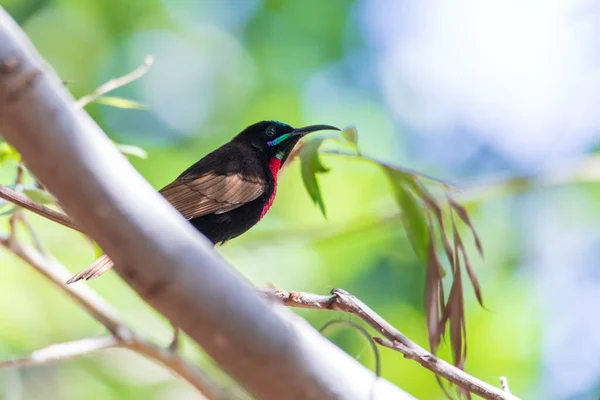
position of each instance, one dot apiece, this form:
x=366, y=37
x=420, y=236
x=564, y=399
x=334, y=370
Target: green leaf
x=7, y=153
x=120, y=102
x=131, y=150
x=413, y=219
x=37, y=195
x=351, y=135
x=9, y=211
x=97, y=250
x=311, y=165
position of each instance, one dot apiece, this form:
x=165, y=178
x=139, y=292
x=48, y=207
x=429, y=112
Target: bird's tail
x=98, y=267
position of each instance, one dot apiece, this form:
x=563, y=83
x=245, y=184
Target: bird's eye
x=271, y=131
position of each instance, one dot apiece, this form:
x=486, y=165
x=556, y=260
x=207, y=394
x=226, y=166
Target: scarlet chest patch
x=274, y=166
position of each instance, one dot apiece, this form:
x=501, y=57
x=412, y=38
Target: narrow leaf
x=7, y=153
x=431, y=203
x=433, y=281
x=120, y=102
x=456, y=307
x=97, y=250
x=311, y=165
x=131, y=150
x=351, y=135
x=9, y=212
x=471, y=272
x=38, y=195
x=456, y=317
x=413, y=216
x=462, y=213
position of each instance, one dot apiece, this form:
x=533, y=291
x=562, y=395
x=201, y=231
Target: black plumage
x=229, y=190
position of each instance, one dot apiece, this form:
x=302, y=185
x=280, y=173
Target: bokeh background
x=468, y=91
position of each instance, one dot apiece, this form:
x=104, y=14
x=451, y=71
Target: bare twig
x=103, y=313
x=62, y=351
x=39, y=209
x=341, y=300
x=364, y=333
x=504, y=384
x=116, y=83
x=37, y=243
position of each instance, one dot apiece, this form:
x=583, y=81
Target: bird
x=231, y=189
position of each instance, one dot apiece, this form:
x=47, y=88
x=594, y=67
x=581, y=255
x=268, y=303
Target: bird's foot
x=175, y=342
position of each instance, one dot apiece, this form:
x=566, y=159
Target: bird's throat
x=274, y=167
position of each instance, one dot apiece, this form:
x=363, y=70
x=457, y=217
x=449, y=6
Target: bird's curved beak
x=301, y=132
x=312, y=128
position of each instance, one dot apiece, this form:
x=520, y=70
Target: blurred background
x=473, y=92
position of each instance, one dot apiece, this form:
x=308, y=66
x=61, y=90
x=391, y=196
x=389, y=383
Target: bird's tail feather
x=98, y=267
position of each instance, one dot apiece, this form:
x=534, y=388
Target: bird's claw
x=174, y=345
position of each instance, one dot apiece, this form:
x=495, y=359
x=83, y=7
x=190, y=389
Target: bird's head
x=276, y=139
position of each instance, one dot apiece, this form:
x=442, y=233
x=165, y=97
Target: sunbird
x=229, y=190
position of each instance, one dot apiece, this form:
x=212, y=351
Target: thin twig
x=39, y=209
x=116, y=83
x=364, y=333
x=62, y=351
x=504, y=384
x=37, y=243
x=341, y=300
x=91, y=302
x=12, y=221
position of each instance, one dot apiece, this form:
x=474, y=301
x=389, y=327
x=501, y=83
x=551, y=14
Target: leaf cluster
x=432, y=226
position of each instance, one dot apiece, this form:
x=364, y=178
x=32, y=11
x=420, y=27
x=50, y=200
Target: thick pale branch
x=341, y=300
x=267, y=349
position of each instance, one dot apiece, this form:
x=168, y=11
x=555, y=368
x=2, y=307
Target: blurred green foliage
x=219, y=67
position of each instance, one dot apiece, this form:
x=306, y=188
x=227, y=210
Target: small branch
x=91, y=302
x=39, y=209
x=77, y=348
x=364, y=333
x=114, y=84
x=504, y=384
x=62, y=351
x=341, y=300
x=37, y=243
x=84, y=296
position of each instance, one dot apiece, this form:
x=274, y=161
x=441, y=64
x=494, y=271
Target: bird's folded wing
x=212, y=193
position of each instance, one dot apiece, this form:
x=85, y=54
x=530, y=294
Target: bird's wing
x=211, y=193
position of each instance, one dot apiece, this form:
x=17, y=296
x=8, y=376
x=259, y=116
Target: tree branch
x=39, y=209
x=62, y=351
x=94, y=305
x=114, y=84
x=504, y=384
x=341, y=300
x=268, y=349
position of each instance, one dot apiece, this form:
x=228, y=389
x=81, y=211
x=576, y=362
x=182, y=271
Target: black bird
x=229, y=190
